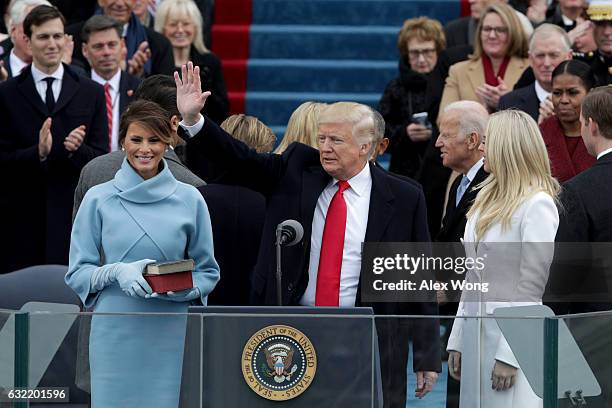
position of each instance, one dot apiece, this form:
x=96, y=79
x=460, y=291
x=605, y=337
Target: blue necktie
x=465, y=182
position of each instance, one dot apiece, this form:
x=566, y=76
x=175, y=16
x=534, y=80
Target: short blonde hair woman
x=303, y=126
x=515, y=214
x=499, y=59
x=180, y=21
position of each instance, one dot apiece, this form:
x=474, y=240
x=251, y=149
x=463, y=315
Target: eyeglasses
x=426, y=53
x=498, y=30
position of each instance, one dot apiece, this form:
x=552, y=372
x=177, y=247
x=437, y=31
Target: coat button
x=290, y=287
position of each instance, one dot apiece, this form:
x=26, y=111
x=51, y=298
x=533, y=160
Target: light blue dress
x=136, y=361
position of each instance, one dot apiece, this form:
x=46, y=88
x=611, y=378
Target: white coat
x=517, y=276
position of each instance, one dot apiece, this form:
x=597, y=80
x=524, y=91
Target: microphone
x=289, y=232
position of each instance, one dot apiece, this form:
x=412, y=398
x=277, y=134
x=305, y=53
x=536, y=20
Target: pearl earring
x=122, y=149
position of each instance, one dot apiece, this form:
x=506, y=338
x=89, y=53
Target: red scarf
x=564, y=165
x=490, y=76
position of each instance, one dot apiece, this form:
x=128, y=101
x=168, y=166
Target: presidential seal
x=279, y=363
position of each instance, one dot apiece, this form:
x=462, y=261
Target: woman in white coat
x=515, y=205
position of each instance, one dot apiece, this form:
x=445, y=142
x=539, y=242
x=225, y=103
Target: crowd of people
x=116, y=151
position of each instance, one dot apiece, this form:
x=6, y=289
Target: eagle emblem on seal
x=279, y=359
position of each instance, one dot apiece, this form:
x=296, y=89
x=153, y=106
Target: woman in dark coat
x=419, y=42
x=571, y=82
x=181, y=22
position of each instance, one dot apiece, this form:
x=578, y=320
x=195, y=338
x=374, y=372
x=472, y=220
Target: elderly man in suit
x=102, y=44
x=52, y=122
x=462, y=125
x=548, y=47
x=341, y=201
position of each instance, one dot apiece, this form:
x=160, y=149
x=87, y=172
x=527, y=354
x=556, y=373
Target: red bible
x=170, y=276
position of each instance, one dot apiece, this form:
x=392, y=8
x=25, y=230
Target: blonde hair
x=251, y=131
x=518, y=160
x=303, y=126
x=517, y=39
x=423, y=29
x=187, y=8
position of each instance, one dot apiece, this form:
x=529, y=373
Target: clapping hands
x=489, y=95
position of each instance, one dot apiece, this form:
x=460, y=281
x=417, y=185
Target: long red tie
x=109, y=115
x=332, y=245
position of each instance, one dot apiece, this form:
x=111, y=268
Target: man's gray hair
x=547, y=31
x=473, y=117
x=19, y=7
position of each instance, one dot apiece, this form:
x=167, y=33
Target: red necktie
x=332, y=245
x=109, y=115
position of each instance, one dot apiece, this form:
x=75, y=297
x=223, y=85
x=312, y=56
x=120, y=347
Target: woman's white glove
x=127, y=275
x=180, y=296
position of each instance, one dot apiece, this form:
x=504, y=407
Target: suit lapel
x=27, y=88
x=69, y=88
x=459, y=211
x=123, y=96
x=533, y=103
x=314, y=180
x=381, y=208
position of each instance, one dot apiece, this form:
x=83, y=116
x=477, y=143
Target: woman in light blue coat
x=143, y=215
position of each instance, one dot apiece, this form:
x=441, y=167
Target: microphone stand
x=279, y=273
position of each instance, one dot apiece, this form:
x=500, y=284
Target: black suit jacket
x=453, y=224
x=524, y=99
x=35, y=208
x=291, y=184
x=585, y=216
x=458, y=32
x=127, y=83
x=162, y=58
x=237, y=216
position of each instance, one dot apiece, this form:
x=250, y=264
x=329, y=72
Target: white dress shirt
x=357, y=199
x=16, y=63
x=541, y=92
x=114, y=94
x=600, y=155
x=41, y=86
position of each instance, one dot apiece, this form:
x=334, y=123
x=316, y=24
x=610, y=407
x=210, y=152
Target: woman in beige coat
x=499, y=59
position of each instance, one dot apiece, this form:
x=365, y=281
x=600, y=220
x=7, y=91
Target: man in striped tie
x=102, y=45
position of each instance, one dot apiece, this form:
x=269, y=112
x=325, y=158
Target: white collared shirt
x=357, y=199
x=600, y=155
x=541, y=92
x=16, y=63
x=474, y=169
x=41, y=86
x=114, y=94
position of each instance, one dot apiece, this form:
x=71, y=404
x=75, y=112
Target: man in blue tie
x=462, y=125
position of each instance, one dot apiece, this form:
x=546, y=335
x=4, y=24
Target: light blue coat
x=136, y=361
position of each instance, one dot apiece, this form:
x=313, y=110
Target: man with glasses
x=548, y=47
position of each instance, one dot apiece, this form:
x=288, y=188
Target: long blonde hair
x=303, y=126
x=518, y=160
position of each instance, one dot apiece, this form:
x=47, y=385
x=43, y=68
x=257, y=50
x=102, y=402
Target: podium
x=303, y=356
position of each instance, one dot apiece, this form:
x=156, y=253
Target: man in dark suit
x=586, y=218
x=462, y=125
x=548, y=47
x=148, y=52
x=325, y=269
x=102, y=43
x=52, y=122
